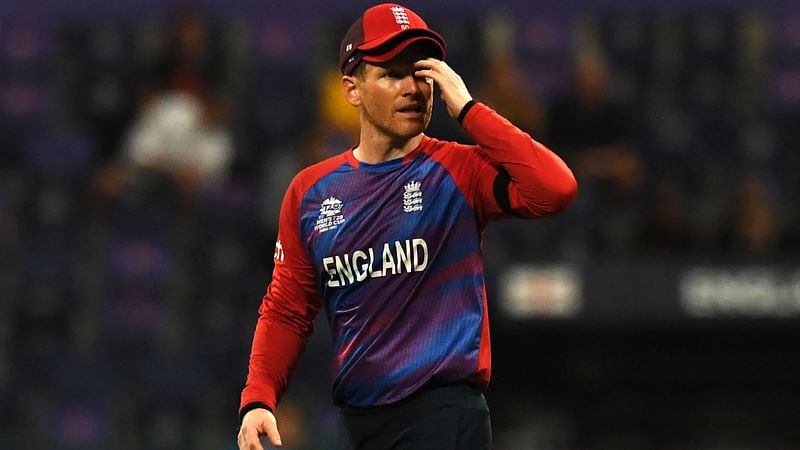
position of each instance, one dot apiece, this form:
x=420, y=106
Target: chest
x=356, y=210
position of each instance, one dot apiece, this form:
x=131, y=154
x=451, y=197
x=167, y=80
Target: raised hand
x=453, y=90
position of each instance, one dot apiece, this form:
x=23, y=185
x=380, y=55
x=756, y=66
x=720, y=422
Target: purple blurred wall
x=311, y=9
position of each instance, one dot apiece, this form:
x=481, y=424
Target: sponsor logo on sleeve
x=279, y=255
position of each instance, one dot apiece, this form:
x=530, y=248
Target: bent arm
x=519, y=176
x=531, y=180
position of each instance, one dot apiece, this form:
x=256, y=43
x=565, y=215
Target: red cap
x=382, y=32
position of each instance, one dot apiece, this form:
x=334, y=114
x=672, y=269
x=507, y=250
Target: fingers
x=428, y=63
x=434, y=68
x=272, y=432
x=437, y=69
x=454, y=91
x=248, y=439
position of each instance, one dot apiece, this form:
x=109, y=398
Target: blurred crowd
x=143, y=163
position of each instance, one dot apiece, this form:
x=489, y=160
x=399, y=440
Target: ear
x=352, y=90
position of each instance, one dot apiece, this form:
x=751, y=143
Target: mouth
x=412, y=110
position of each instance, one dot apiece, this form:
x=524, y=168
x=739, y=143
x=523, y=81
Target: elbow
x=568, y=192
x=562, y=194
x=544, y=198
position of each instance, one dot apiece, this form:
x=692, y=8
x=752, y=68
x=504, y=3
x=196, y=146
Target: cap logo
x=349, y=47
x=401, y=17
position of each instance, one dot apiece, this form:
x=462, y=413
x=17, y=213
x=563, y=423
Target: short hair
x=359, y=70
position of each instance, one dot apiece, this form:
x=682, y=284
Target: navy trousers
x=441, y=418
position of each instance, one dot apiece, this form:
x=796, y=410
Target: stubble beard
x=395, y=133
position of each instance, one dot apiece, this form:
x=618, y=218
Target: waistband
x=436, y=394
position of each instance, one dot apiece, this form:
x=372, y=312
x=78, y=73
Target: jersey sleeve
x=286, y=314
x=518, y=177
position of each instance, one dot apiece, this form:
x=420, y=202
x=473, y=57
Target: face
x=393, y=101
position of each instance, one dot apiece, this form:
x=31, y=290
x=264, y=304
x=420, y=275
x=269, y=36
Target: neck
x=377, y=149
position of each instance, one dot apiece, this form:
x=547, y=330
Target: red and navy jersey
x=393, y=253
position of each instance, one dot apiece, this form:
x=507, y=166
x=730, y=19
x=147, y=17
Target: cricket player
x=387, y=237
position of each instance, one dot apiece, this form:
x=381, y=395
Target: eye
x=395, y=73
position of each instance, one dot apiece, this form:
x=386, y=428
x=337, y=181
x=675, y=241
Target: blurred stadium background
x=145, y=148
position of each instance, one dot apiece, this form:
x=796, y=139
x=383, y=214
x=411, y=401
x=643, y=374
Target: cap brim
x=392, y=46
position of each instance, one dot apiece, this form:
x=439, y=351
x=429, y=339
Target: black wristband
x=251, y=406
x=500, y=190
x=465, y=110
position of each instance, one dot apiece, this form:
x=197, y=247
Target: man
x=388, y=236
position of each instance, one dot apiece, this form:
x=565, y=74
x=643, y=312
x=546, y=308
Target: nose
x=413, y=85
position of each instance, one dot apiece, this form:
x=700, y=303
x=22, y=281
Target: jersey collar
x=351, y=159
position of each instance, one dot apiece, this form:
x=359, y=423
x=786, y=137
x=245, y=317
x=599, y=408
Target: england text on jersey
x=410, y=255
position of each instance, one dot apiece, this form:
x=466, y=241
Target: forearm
x=540, y=182
x=276, y=349
x=278, y=342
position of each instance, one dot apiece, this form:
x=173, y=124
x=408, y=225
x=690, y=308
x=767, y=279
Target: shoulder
x=452, y=153
x=438, y=148
x=311, y=175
